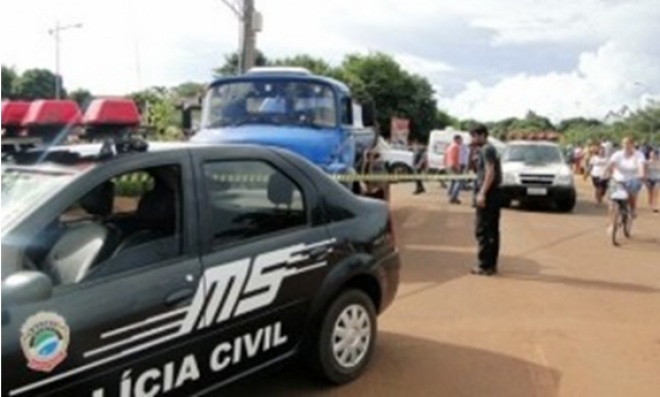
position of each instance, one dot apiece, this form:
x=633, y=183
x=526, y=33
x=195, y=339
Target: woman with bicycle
x=627, y=168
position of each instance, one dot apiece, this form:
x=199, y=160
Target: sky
x=486, y=59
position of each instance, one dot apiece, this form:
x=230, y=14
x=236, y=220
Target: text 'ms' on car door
x=265, y=256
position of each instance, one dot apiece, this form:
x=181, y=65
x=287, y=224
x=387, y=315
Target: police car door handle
x=179, y=296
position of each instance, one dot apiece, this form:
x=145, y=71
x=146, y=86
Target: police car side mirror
x=188, y=124
x=26, y=287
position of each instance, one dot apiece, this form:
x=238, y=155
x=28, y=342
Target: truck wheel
x=345, y=342
x=400, y=168
x=567, y=205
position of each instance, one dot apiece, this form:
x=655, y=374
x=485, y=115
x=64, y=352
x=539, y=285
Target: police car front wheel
x=347, y=337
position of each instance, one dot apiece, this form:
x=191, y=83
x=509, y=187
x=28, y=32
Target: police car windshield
x=23, y=189
x=271, y=102
x=534, y=154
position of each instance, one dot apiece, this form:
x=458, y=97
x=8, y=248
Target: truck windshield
x=273, y=102
x=23, y=190
x=533, y=154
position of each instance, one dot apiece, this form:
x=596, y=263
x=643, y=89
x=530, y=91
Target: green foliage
x=188, y=90
x=315, y=65
x=9, y=77
x=159, y=112
x=395, y=92
x=578, y=122
x=531, y=122
x=37, y=84
x=643, y=125
x=230, y=66
x=82, y=97
x=443, y=120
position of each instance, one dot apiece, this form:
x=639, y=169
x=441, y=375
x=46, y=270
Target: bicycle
x=623, y=218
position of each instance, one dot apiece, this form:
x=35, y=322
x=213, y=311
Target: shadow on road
x=410, y=367
x=425, y=225
x=582, y=208
x=640, y=242
x=518, y=269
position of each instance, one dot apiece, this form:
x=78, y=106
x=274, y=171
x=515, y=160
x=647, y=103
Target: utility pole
x=55, y=32
x=250, y=24
x=248, y=53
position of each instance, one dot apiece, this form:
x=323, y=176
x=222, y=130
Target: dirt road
x=569, y=315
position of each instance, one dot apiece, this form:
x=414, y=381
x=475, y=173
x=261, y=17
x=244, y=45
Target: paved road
x=570, y=315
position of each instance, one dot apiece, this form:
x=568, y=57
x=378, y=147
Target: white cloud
x=622, y=71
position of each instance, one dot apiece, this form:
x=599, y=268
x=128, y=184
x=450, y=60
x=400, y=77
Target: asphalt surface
x=569, y=315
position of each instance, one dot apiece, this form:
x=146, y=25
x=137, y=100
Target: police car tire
x=323, y=358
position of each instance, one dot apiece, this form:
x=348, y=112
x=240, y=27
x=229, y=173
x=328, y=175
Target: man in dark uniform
x=487, y=202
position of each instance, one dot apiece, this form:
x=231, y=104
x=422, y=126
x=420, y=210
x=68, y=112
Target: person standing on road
x=653, y=180
x=464, y=161
x=597, y=166
x=453, y=167
x=419, y=152
x=609, y=148
x=487, y=186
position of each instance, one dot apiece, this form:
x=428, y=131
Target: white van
x=440, y=139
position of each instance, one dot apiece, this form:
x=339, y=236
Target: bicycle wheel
x=626, y=222
x=615, y=226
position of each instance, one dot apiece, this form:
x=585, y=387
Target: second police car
x=176, y=268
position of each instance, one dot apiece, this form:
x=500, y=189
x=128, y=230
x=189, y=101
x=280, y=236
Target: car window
x=250, y=199
x=127, y=192
x=533, y=154
x=123, y=223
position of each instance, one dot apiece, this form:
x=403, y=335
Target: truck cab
x=313, y=116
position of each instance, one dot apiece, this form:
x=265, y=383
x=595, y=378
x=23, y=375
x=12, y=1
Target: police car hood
x=534, y=168
x=315, y=144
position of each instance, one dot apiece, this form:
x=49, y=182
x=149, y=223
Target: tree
x=230, y=65
x=9, y=78
x=443, y=120
x=37, y=84
x=314, y=65
x=578, y=122
x=394, y=91
x=532, y=122
x=188, y=90
x=82, y=97
x=467, y=125
x=158, y=110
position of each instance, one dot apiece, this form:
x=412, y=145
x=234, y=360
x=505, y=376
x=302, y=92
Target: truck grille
x=538, y=180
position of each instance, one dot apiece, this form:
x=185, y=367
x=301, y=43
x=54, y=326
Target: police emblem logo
x=45, y=341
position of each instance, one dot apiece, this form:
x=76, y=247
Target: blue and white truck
x=292, y=108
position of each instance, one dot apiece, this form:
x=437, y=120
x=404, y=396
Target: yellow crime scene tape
x=262, y=178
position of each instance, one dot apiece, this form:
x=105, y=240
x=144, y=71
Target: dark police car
x=176, y=268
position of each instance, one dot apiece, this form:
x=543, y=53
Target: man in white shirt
x=609, y=148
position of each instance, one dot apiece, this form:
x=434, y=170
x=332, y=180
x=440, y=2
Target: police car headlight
x=509, y=178
x=564, y=179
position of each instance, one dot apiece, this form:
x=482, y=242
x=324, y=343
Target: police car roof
x=72, y=156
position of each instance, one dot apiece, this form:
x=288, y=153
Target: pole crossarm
x=236, y=7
